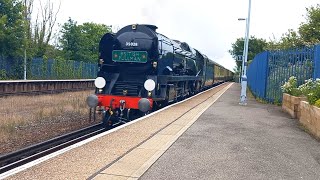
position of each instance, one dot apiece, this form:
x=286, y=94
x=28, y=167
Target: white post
x=243, y=96
x=240, y=74
x=25, y=43
x=25, y=64
x=244, y=48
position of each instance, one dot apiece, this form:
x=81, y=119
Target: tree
x=310, y=30
x=70, y=40
x=291, y=39
x=11, y=28
x=40, y=31
x=255, y=46
x=80, y=42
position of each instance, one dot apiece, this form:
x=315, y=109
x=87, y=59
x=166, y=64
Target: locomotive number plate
x=129, y=56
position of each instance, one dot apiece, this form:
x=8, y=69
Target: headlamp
x=149, y=85
x=99, y=82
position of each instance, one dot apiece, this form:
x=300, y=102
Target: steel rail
x=15, y=159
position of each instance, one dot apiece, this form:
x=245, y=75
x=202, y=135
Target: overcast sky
x=207, y=25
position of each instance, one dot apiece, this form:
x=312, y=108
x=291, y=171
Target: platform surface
x=229, y=141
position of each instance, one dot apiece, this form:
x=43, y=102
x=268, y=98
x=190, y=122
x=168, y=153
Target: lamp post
x=244, y=47
x=243, y=95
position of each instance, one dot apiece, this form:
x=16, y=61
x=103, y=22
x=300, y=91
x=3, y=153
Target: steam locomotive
x=141, y=70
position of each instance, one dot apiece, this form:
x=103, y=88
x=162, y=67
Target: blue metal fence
x=257, y=74
x=12, y=68
x=269, y=70
x=317, y=62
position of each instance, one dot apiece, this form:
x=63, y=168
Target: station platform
x=209, y=136
x=230, y=141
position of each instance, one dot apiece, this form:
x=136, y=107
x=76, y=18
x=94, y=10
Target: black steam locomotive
x=141, y=70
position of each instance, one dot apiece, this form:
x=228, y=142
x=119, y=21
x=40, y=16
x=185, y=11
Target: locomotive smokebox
x=144, y=105
x=92, y=101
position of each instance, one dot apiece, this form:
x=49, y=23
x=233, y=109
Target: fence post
x=266, y=73
x=316, y=61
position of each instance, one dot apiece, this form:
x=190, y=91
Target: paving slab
x=231, y=141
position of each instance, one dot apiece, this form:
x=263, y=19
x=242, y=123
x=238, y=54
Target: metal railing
x=12, y=69
x=271, y=69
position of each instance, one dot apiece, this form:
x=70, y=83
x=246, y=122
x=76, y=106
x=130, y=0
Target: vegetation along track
x=23, y=156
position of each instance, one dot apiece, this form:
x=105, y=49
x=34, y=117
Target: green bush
x=311, y=89
x=3, y=74
x=291, y=87
x=317, y=103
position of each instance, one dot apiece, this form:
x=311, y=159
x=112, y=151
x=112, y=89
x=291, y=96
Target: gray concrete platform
x=229, y=141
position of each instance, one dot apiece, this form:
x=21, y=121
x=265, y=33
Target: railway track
x=23, y=156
